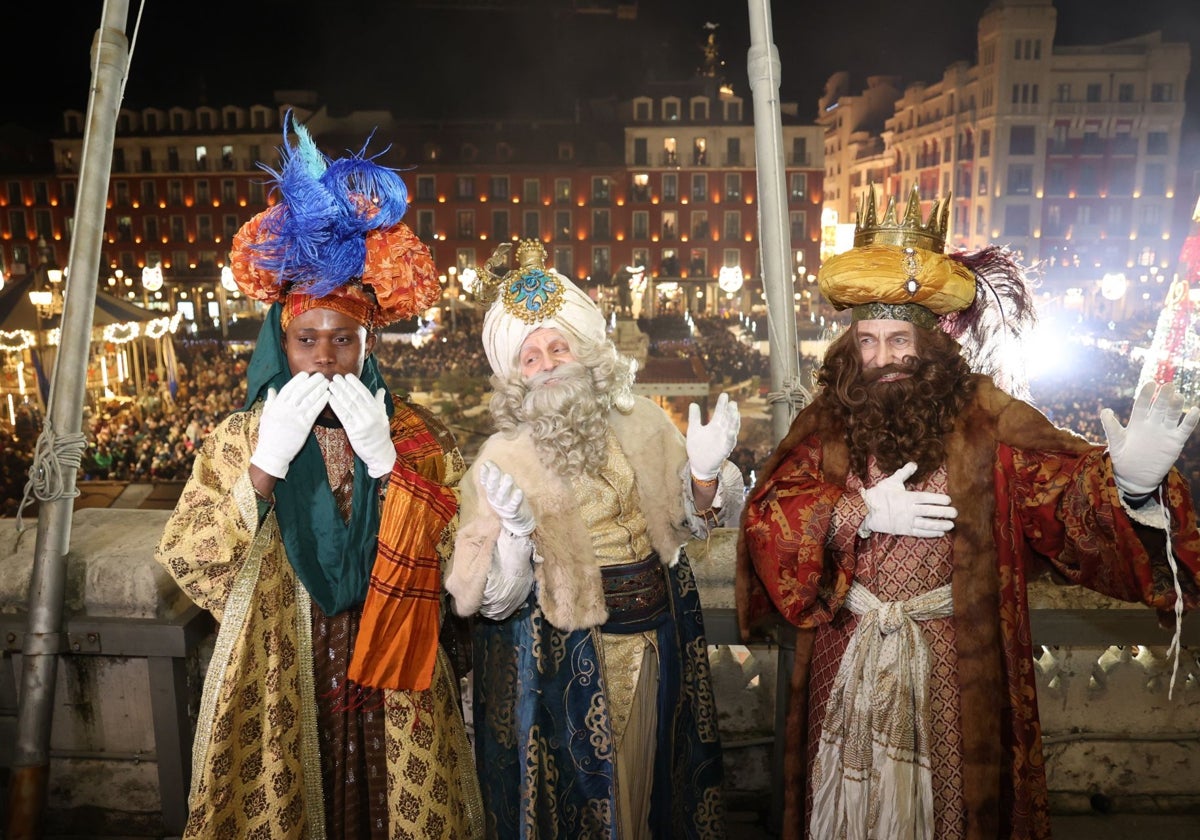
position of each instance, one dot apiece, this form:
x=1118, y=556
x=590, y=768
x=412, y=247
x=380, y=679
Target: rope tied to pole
x=795, y=395
x=53, y=456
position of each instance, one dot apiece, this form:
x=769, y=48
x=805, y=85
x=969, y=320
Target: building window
x=983, y=181
x=601, y=264
x=669, y=266
x=228, y=191
x=699, y=187
x=670, y=187
x=1125, y=92
x=1021, y=140
x=733, y=186
x=229, y=225
x=601, y=189
x=121, y=193
x=562, y=190
x=564, y=261
x=1056, y=179
x=566, y=152
x=175, y=193
x=670, y=110
x=639, y=187
x=531, y=191
x=1093, y=92
x=985, y=142
x=203, y=196
x=732, y=258
x=465, y=224
x=498, y=188
x=1089, y=179
x=204, y=228
x=150, y=231
x=1156, y=143
x=425, y=228
x=798, y=186
x=1121, y=175
x=698, y=262
x=601, y=224
x=531, y=225
x=670, y=225
x=699, y=110
x=256, y=195
x=500, y=230
x=699, y=228
x=1064, y=93
x=641, y=151
x=641, y=110
x=562, y=225
x=202, y=158
x=797, y=222
x=699, y=151
x=641, y=225
x=43, y=224
x=1162, y=92
x=227, y=159
x=732, y=228
x=733, y=151
x=426, y=188
x=800, y=151
x=148, y=193
x=733, y=112
x=178, y=232
x=464, y=186
x=670, y=152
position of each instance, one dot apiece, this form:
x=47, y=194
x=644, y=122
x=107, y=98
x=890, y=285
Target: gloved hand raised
x=506, y=499
x=287, y=418
x=894, y=509
x=365, y=419
x=709, y=445
x=1143, y=452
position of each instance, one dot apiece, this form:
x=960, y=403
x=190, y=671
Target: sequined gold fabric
x=257, y=756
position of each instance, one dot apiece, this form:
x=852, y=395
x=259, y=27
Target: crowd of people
x=153, y=437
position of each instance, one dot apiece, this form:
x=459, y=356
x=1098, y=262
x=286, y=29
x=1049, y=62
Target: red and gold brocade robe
x=1026, y=492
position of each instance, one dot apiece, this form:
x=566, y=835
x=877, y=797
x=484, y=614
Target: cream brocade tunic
x=612, y=511
x=256, y=767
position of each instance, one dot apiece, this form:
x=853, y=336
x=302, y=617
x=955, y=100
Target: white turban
x=512, y=318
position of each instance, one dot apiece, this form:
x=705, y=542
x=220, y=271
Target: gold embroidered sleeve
x=208, y=536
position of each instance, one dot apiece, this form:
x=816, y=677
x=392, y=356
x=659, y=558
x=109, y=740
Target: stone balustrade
x=127, y=694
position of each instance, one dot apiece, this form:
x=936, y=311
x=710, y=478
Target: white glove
x=507, y=499
x=287, y=418
x=709, y=446
x=1144, y=451
x=894, y=509
x=365, y=419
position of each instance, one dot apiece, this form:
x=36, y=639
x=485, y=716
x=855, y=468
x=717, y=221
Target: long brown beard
x=902, y=420
x=567, y=419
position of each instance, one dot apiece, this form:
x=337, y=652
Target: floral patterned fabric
x=1029, y=496
x=257, y=761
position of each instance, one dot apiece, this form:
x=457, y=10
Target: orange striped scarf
x=398, y=636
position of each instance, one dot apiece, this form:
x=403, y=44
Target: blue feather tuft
x=317, y=236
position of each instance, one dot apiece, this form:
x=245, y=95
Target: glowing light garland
x=16, y=341
x=121, y=333
x=158, y=327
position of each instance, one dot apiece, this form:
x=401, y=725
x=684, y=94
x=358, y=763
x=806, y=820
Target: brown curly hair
x=900, y=421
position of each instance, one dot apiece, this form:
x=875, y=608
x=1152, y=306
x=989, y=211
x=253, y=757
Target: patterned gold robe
x=256, y=770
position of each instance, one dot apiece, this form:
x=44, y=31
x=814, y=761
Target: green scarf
x=332, y=557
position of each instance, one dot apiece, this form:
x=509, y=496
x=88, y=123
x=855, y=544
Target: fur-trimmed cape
x=1077, y=525
x=568, y=578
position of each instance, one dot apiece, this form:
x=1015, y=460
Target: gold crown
x=909, y=232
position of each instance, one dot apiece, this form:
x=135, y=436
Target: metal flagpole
x=61, y=443
x=775, y=253
x=773, y=232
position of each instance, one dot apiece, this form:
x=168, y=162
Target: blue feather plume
x=316, y=237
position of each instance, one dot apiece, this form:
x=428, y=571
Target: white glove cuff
x=270, y=464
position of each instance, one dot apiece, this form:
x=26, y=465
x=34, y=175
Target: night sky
x=432, y=59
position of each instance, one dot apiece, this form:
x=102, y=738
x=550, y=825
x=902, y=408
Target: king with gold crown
x=896, y=526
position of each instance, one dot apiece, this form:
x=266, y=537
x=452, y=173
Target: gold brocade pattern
x=256, y=767
x=612, y=512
